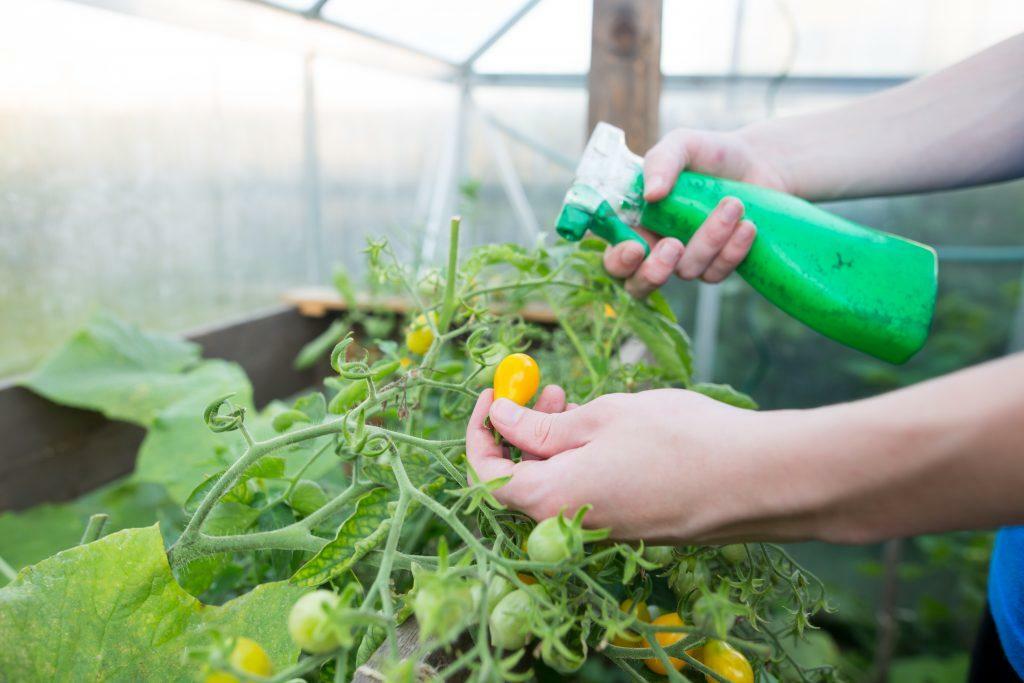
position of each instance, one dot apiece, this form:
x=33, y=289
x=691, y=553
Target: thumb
x=543, y=434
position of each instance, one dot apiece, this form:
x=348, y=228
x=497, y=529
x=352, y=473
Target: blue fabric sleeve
x=1006, y=594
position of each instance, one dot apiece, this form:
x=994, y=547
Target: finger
x=572, y=406
x=486, y=456
x=622, y=259
x=551, y=400
x=657, y=268
x=544, y=434
x=732, y=254
x=663, y=164
x=710, y=238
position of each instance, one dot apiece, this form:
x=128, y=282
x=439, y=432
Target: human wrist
x=767, y=146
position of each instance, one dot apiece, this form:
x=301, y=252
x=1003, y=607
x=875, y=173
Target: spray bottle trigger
x=585, y=209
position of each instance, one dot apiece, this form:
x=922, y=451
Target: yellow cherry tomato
x=629, y=638
x=609, y=312
x=665, y=639
x=246, y=656
x=404, y=362
x=249, y=657
x=727, y=662
x=516, y=378
x=420, y=335
x=221, y=677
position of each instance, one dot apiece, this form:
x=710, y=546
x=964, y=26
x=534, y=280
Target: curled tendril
x=338, y=354
x=223, y=422
x=356, y=369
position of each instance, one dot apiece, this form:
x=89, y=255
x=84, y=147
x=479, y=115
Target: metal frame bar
x=315, y=14
x=683, y=81
x=511, y=182
x=486, y=45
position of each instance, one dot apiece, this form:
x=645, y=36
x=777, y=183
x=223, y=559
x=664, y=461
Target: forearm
x=939, y=456
x=958, y=127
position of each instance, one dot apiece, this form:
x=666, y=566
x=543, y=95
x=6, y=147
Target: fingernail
x=633, y=254
x=506, y=411
x=732, y=209
x=668, y=252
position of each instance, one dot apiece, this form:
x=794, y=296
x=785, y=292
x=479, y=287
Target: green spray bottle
x=868, y=289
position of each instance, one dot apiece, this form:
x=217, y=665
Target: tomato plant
x=361, y=495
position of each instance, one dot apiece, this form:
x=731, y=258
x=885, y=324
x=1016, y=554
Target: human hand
x=724, y=239
x=664, y=465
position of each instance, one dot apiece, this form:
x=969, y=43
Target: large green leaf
x=111, y=611
x=358, y=535
x=31, y=535
x=113, y=367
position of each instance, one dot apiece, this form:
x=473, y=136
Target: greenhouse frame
x=250, y=180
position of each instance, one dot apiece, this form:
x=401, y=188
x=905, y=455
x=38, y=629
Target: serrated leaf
x=358, y=535
x=666, y=341
x=725, y=394
x=659, y=303
x=128, y=620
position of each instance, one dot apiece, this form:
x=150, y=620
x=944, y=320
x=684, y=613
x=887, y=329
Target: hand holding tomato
x=667, y=465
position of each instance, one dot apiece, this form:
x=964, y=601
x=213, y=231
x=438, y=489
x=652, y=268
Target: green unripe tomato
x=734, y=553
x=443, y=606
x=548, y=542
x=308, y=624
x=660, y=555
x=497, y=588
x=559, y=661
x=510, y=620
x=307, y=497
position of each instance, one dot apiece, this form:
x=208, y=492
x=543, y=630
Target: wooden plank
x=625, y=69
x=407, y=643
x=318, y=301
x=265, y=345
x=53, y=453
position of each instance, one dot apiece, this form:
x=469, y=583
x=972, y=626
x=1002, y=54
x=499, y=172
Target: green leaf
x=358, y=535
x=267, y=467
x=324, y=342
x=725, y=394
x=116, y=369
x=659, y=303
x=128, y=620
x=666, y=341
x=313, y=405
x=31, y=535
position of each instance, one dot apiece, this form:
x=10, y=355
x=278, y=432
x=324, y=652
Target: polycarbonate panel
x=554, y=37
x=381, y=136
x=868, y=38
x=450, y=29
x=553, y=117
x=147, y=170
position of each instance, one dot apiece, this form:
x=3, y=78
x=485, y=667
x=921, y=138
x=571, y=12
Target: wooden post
x=625, y=69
